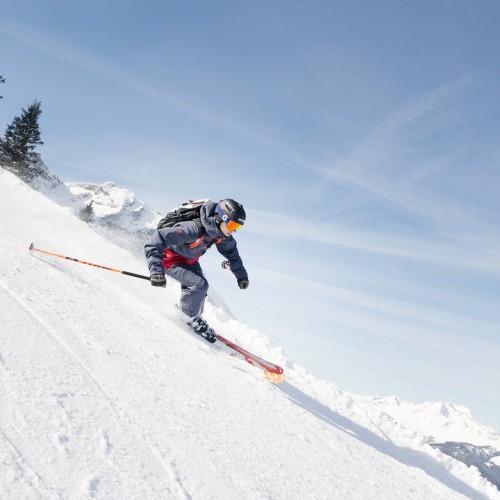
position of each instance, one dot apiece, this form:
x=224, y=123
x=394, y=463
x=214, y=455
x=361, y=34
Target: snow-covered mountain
x=110, y=209
x=116, y=207
x=105, y=393
x=116, y=212
x=438, y=421
x=485, y=458
x=448, y=427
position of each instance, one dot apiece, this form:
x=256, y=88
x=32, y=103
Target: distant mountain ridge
x=439, y=421
x=485, y=458
x=116, y=211
x=115, y=206
x=448, y=427
x=109, y=208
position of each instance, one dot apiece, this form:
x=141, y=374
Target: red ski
x=272, y=372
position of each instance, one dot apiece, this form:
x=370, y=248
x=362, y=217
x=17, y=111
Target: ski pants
x=194, y=287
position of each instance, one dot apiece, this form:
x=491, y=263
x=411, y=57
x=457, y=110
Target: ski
x=272, y=372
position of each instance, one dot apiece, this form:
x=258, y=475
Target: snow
x=106, y=394
x=115, y=203
x=439, y=421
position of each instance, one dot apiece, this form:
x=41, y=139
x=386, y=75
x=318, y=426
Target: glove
x=243, y=283
x=158, y=280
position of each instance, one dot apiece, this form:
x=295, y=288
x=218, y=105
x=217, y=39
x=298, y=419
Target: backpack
x=189, y=210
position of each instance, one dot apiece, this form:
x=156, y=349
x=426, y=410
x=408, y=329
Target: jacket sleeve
x=168, y=237
x=229, y=250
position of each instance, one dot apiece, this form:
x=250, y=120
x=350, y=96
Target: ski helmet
x=232, y=213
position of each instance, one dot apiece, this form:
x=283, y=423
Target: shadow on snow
x=406, y=456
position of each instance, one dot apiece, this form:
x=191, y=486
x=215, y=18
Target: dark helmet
x=231, y=211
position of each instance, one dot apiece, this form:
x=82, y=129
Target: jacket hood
x=207, y=217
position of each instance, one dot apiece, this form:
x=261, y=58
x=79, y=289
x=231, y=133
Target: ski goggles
x=232, y=226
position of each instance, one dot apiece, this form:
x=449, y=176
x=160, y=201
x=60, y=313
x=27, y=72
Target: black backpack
x=183, y=212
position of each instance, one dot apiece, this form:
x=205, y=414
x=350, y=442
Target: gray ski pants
x=194, y=287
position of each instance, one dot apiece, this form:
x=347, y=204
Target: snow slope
x=104, y=393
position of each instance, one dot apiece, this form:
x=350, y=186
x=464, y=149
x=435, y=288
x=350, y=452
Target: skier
x=175, y=251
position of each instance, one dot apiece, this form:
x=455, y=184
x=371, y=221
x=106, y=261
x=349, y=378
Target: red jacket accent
x=197, y=242
x=172, y=258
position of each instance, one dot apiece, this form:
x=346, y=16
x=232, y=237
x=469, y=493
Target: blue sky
x=362, y=137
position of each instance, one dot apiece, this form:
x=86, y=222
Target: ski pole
x=127, y=273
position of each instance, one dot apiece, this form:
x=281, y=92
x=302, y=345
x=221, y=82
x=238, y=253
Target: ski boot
x=200, y=326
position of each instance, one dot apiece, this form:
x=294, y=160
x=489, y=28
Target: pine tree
x=2, y=80
x=22, y=136
x=87, y=213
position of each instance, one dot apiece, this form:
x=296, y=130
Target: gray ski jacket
x=187, y=242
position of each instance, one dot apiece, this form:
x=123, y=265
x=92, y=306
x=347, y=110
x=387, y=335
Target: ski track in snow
x=93, y=384
x=105, y=394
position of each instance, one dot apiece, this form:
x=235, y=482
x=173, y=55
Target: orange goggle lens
x=232, y=226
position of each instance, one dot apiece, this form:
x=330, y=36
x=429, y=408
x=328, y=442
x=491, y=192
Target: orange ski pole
x=127, y=273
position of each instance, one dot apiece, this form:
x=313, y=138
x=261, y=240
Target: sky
x=361, y=137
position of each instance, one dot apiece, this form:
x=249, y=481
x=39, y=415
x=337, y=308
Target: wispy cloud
x=383, y=167
x=372, y=153
x=422, y=248
x=369, y=314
